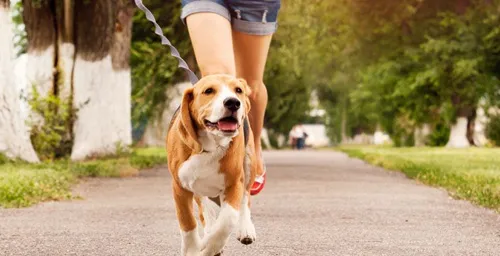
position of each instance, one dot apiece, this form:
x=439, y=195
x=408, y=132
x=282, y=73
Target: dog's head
x=217, y=104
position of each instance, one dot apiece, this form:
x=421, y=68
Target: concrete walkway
x=315, y=203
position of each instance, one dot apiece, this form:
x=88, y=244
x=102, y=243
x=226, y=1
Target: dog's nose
x=232, y=104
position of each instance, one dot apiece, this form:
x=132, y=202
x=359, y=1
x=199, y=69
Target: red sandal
x=258, y=185
x=259, y=182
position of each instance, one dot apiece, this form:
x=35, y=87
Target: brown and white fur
x=210, y=158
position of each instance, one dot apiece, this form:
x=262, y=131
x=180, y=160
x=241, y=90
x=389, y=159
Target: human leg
x=253, y=28
x=250, y=56
x=209, y=29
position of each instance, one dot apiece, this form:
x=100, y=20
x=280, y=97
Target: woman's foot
x=260, y=180
x=258, y=185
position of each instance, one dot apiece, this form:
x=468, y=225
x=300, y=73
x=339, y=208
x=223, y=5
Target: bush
x=493, y=129
x=3, y=159
x=50, y=124
x=439, y=135
x=402, y=131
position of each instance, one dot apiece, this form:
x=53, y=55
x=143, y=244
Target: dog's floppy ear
x=248, y=92
x=186, y=127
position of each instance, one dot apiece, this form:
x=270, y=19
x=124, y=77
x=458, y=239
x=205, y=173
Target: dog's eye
x=208, y=91
x=239, y=90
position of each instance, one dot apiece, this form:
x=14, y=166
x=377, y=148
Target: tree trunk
x=458, y=138
x=378, y=135
x=421, y=134
x=458, y=133
x=480, y=123
x=343, y=124
x=120, y=57
x=461, y=6
x=65, y=58
x=101, y=97
x=14, y=140
x=471, y=121
x=40, y=22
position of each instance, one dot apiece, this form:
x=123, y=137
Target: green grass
x=472, y=174
x=23, y=184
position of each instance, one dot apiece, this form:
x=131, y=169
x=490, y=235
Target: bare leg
x=250, y=56
x=210, y=35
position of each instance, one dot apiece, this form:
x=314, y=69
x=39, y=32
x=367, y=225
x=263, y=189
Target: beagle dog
x=211, y=156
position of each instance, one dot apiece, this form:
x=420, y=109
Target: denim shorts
x=255, y=17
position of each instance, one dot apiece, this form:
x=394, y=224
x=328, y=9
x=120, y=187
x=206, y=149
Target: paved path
x=315, y=203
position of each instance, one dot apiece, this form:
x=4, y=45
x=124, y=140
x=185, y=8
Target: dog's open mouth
x=226, y=124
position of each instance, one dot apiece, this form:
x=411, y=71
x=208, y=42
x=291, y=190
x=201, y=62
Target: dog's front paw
x=246, y=232
x=191, y=248
x=212, y=248
x=210, y=252
x=191, y=251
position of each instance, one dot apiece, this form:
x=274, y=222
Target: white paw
x=190, y=245
x=246, y=232
x=212, y=250
x=211, y=247
x=191, y=251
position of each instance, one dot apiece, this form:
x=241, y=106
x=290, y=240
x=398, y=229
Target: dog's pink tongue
x=227, y=126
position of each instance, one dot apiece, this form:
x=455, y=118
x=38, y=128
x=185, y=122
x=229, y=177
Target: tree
x=101, y=93
x=40, y=27
x=82, y=58
x=414, y=63
x=14, y=142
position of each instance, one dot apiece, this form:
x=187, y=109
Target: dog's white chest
x=200, y=174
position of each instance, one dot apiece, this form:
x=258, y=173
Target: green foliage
x=406, y=63
x=470, y=174
x=3, y=159
x=288, y=94
x=287, y=76
x=439, y=135
x=403, y=131
x=23, y=184
x=493, y=129
x=20, y=36
x=148, y=157
x=153, y=69
x=51, y=121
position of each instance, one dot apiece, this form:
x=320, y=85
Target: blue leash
x=164, y=41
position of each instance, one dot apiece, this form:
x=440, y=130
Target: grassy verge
x=24, y=184
x=472, y=174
